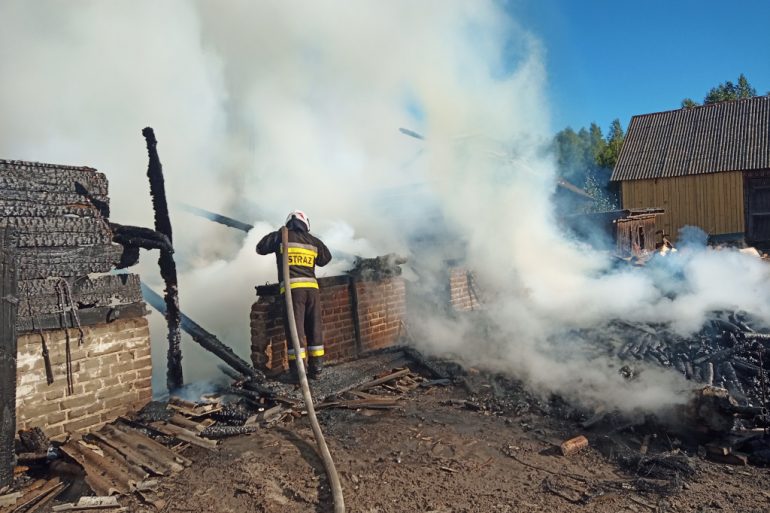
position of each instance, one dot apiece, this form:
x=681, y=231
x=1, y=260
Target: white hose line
x=331, y=471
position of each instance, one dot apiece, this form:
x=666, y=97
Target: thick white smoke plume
x=264, y=107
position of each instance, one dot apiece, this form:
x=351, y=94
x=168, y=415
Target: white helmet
x=299, y=215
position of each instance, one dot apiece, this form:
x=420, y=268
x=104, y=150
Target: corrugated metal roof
x=727, y=136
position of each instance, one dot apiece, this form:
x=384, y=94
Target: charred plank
x=8, y=349
x=88, y=317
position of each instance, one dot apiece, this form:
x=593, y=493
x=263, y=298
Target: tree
x=725, y=92
x=609, y=155
x=585, y=158
x=596, y=141
x=729, y=91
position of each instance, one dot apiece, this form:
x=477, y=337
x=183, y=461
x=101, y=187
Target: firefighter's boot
x=315, y=365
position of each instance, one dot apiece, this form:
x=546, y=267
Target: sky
x=607, y=60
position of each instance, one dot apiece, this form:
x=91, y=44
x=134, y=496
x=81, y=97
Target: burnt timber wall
x=112, y=372
x=379, y=305
x=713, y=202
x=65, y=252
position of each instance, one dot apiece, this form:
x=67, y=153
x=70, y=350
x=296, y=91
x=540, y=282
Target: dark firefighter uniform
x=305, y=252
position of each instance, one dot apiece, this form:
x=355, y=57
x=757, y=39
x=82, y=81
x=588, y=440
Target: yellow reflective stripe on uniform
x=316, y=350
x=296, y=247
x=305, y=285
x=293, y=356
x=301, y=285
x=303, y=251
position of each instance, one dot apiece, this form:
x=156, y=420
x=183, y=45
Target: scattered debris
x=86, y=503
x=573, y=445
x=379, y=268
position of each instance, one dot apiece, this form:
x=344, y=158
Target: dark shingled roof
x=726, y=136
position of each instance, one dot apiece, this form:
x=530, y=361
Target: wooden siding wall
x=713, y=202
x=627, y=238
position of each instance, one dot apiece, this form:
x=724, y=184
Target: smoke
x=261, y=108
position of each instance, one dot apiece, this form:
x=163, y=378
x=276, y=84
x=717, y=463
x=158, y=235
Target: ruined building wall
x=111, y=374
x=66, y=253
x=464, y=293
x=379, y=305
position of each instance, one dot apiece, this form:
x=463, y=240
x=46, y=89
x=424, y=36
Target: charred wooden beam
x=255, y=395
x=205, y=339
x=217, y=218
x=138, y=236
x=133, y=238
x=8, y=306
x=218, y=432
x=174, y=376
x=88, y=317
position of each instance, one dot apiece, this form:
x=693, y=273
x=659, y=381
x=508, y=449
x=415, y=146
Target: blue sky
x=613, y=59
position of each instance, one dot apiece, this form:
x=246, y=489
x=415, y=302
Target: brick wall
x=381, y=311
x=463, y=290
x=111, y=373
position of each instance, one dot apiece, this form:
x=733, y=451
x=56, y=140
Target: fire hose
x=331, y=471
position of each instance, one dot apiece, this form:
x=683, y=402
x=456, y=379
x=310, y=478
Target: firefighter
x=305, y=252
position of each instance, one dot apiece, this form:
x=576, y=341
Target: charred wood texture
x=217, y=432
x=174, y=377
x=8, y=306
x=34, y=440
x=379, y=268
x=88, y=317
x=60, y=215
x=141, y=237
x=37, y=263
x=205, y=339
x=231, y=414
x=97, y=300
x=134, y=238
x=726, y=353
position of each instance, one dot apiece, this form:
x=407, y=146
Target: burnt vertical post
x=8, y=308
x=174, y=377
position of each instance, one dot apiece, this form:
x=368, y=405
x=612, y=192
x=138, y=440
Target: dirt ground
x=435, y=455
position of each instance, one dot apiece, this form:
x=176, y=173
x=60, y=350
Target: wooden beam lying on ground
x=384, y=379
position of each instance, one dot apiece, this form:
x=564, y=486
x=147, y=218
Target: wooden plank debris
x=384, y=379
x=86, y=503
x=355, y=404
x=37, y=499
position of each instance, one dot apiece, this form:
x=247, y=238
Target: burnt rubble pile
x=378, y=268
x=728, y=352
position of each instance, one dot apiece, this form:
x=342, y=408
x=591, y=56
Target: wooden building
x=706, y=166
x=625, y=232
